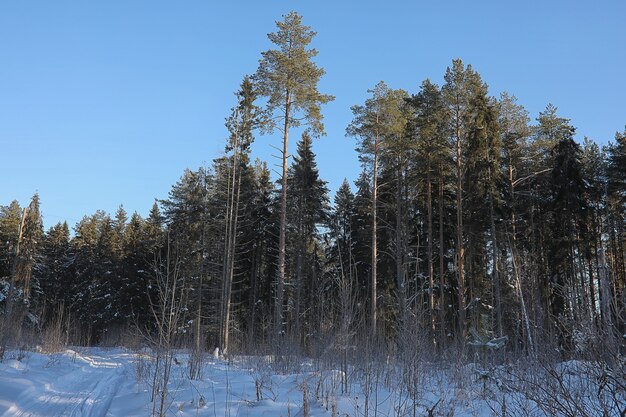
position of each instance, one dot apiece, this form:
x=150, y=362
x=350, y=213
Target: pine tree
x=514, y=132
x=551, y=130
x=459, y=81
x=395, y=159
x=377, y=121
x=514, y=135
x=287, y=77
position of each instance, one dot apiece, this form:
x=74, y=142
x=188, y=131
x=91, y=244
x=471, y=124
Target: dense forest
x=472, y=224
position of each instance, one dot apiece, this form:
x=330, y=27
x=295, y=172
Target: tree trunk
x=442, y=276
x=515, y=261
x=299, y=280
x=400, y=275
x=373, y=305
x=460, y=247
x=198, y=339
x=231, y=266
x=225, y=263
x=496, y=267
x=229, y=249
x=280, y=287
x=254, y=285
x=429, y=251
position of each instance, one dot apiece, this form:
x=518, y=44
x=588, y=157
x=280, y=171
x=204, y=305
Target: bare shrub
x=131, y=338
x=55, y=332
x=143, y=368
x=571, y=388
x=168, y=309
x=195, y=363
x=261, y=371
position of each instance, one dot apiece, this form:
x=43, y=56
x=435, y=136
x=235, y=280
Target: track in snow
x=87, y=388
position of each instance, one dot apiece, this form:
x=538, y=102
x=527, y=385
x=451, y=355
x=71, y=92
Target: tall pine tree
x=287, y=77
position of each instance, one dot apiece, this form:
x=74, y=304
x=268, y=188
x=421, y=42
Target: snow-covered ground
x=117, y=383
x=100, y=383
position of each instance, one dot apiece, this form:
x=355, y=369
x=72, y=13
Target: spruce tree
x=119, y=228
x=190, y=221
x=91, y=269
x=153, y=230
x=568, y=208
x=54, y=280
x=308, y=205
x=616, y=171
x=341, y=223
x=484, y=186
x=263, y=236
x=244, y=118
x=362, y=238
x=134, y=272
x=432, y=160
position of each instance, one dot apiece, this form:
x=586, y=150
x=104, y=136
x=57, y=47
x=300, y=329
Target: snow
x=67, y=384
x=107, y=383
x=103, y=382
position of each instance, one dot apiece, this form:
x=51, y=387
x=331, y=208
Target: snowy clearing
x=117, y=383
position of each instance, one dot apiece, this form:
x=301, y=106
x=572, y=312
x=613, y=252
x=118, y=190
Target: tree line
x=469, y=222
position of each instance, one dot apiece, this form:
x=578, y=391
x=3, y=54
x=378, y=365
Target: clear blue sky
x=106, y=103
